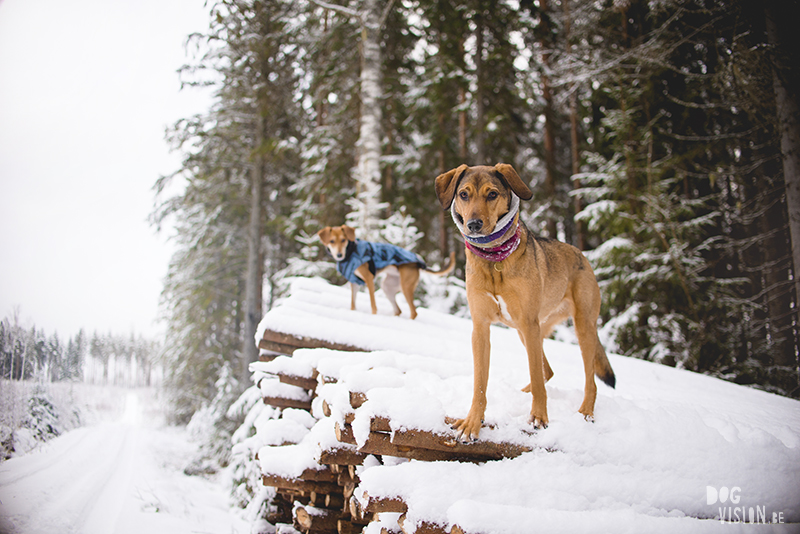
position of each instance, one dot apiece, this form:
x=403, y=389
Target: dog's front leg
x=365, y=274
x=469, y=427
x=353, y=293
x=531, y=334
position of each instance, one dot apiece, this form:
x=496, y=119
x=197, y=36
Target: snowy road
x=118, y=477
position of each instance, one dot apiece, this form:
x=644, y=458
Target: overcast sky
x=87, y=88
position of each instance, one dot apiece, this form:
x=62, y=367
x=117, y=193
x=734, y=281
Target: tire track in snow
x=44, y=461
x=108, y=493
x=81, y=489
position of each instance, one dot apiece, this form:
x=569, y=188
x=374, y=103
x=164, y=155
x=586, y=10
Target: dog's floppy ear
x=324, y=234
x=349, y=233
x=446, y=185
x=514, y=181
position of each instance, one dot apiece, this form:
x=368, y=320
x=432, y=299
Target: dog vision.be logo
x=732, y=510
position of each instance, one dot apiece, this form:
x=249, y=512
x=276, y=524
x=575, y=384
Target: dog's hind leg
x=391, y=287
x=587, y=309
x=548, y=371
x=409, y=278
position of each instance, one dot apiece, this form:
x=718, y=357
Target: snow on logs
x=282, y=343
x=366, y=405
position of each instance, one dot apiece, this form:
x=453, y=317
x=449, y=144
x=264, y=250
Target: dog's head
x=482, y=195
x=336, y=239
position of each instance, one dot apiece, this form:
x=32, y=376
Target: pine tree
x=239, y=160
x=694, y=176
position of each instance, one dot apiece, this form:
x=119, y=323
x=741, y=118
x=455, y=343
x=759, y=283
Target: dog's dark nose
x=474, y=225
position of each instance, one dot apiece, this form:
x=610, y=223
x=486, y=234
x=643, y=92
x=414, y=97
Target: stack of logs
x=322, y=500
x=318, y=500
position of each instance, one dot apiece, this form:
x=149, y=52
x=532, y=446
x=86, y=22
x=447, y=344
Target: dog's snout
x=474, y=225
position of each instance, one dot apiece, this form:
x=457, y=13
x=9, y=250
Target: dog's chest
x=500, y=309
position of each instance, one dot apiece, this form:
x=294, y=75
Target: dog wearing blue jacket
x=360, y=262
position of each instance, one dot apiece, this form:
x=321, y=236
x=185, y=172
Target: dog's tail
x=602, y=367
x=447, y=270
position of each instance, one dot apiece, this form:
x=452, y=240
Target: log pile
x=316, y=500
x=349, y=438
x=276, y=343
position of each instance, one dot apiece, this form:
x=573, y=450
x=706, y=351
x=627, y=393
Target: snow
x=663, y=442
x=284, y=365
x=119, y=475
x=333, y=321
x=291, y=460
x=274, y=388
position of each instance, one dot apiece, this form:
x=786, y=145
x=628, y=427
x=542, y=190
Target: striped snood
x=500, y=244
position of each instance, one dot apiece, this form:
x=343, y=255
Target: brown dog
x=361, y=261
x=528, y=283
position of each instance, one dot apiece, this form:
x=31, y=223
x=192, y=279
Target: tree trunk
x=443, y=226
x=367, y=210
x=788, y=114
x=480, y=108
x=462, y=126
x=549, y=135
x=255, y=269
x=580, y=238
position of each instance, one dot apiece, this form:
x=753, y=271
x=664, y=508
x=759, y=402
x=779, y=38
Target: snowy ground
x=120, y=475
x=670, y=451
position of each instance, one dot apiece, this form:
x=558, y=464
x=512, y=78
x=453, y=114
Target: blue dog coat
x=377, y=255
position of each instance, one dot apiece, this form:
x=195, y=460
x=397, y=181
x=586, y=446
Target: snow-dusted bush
x=446, y=294
x=6, y=442
x=211, y=426
x=246, y=488
x=32, y=413
x=42, y=418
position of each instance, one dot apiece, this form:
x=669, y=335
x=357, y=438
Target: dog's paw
x=539, y=422
x=467, y=430
x=587, y=413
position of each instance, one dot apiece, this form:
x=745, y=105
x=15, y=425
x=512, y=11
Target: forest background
x=659, y=136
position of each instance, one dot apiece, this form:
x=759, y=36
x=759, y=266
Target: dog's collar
x=500, y=252
x=498, y=245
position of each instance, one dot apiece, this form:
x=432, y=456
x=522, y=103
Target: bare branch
x=386, y=11
x=339, y=9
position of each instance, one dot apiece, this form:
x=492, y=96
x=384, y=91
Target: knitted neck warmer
x=500, y=244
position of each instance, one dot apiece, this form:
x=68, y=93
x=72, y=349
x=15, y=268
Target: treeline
x=29, y=353
x=649, y=131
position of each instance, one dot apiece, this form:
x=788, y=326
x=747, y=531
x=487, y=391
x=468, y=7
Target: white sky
x=87, y=88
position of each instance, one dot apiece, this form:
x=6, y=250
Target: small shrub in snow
x=6, y=442
x=247, y=490
x=213, y=428
x=42, y=417
x=246, y=478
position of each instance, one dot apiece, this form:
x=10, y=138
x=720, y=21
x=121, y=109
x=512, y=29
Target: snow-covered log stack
x=365, y=403
x=314, y=477
x=276, y=343
x=376, y=452
x=285, y=385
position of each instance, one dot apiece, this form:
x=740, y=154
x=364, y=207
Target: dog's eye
x=492, y=195
x=464, y=195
